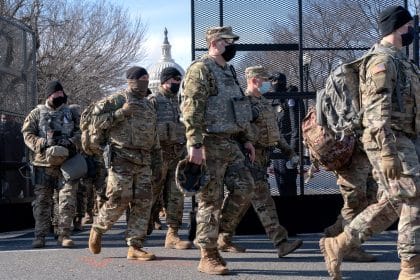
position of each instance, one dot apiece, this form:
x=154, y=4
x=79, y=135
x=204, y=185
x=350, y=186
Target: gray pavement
x=19, y=261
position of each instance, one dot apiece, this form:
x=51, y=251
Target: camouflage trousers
x=128, y=185
x=93, y=189
x=356, y=185
x=173, y=199
x=395, y=198
x=46, y=180
x=261, y=200
x=221, y=153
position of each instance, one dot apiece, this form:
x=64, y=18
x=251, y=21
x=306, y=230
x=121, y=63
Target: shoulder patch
x=378, y=68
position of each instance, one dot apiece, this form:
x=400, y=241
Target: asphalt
x=19, y=261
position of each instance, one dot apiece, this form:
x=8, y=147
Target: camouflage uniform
x=267, y=137
x=48, y=177
x=94, y=185
x=388, y=130
x=172, y=140
x=210, y=91
x=134, y=144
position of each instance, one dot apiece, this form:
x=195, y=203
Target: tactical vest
x=268, y=133
x=408, y=86
x=58, y=123
x=228, y=111
x=136, y=132
x=170, y=129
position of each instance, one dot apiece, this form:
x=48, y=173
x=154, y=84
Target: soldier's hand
x=251, y=151
x=391, y=166
x=128, y=109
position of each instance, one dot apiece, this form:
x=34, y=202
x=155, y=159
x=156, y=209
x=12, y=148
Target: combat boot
x=212, y=263
x=333, y=249
x=88, y=218
x=357, y=254
x=334, y=229
x=95, y=240
x=65, y=241
x=38, y=242
x=410, y=270
x=286, y=247
x=77, y=224
x=225, y=244
x=137, y=253
x=173, y=241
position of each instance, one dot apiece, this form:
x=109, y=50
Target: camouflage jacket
x=390, y=91
x=133, y=138
x=34, y=134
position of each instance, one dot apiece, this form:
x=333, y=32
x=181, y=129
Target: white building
x=165, y=61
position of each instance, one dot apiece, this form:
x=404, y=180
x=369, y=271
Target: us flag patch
x=378, y=68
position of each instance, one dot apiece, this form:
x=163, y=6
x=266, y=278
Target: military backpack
x=330, y=129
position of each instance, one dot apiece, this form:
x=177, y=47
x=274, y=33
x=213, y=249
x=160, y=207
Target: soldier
x=172, y=140
x=51, y=132
x=355, y=183
x=132, y=148
x=268, y=136
x=216, y=115
x=390, y=94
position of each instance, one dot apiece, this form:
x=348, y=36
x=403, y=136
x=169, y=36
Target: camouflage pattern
x=217, y=106
x=135, y=147
x=205, y=86
x=261, y=199
x=224, y=32
x=388, y=131
x=47, y=177
x=128, y=185
x=172, y=140
x=352, y=180
x=256, y=71
x=95, y=186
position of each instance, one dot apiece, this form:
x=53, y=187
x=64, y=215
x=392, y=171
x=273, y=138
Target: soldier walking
x=390, y=95
x=217, y=118
x=132, y=147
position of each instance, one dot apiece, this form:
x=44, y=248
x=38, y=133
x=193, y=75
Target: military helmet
x=190, y=177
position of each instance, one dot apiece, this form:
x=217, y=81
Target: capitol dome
x=165, y=61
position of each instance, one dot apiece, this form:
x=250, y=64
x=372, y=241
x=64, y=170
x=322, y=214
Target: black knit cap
x=52, y=87
x=392, y=18
x=169, y=72
x=135, y=72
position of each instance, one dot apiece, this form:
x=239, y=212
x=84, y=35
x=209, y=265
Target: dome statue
x=165, y=61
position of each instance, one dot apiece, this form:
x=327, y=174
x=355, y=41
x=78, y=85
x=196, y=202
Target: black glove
x=64, y=142
x=49, y=142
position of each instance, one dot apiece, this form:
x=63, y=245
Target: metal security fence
x=304, y=39
x=18, y=97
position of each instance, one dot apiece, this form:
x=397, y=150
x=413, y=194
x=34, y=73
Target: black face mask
x=229, y=53
x=174, y=88
x=407, y=38
x=58, y=101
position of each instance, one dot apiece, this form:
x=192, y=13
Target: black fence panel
x=305, y=40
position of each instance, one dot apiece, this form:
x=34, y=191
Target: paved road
x=18, y=261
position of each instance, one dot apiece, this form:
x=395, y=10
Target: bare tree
x=87, y=45
x=338, y=30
